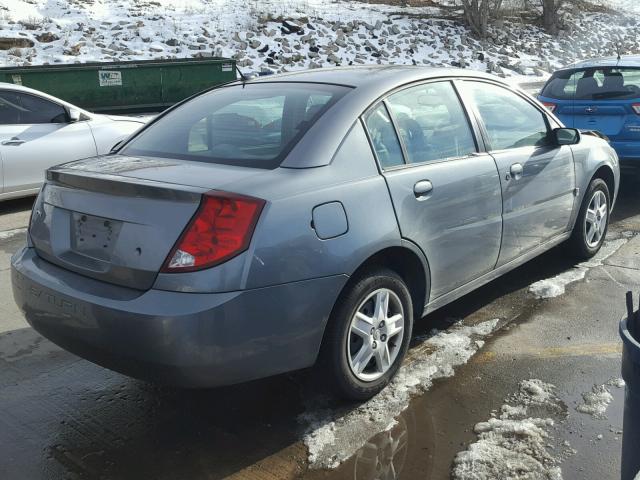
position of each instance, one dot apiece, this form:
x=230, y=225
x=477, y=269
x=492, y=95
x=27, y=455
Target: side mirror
x=74, y=115
x=565, y=136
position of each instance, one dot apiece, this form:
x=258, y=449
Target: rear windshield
x=254, y=125
x=602, y=83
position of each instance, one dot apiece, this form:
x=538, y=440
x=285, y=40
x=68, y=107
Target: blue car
x=601, y=95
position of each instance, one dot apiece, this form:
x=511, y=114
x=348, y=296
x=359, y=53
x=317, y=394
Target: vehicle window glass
x=38, y=110
x=510, y=120
x=9, y=109
x=604, y=83
x=254, y=125
x=383, y=137
x=431, y=122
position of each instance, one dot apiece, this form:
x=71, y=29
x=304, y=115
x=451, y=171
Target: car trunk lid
x=116, y=218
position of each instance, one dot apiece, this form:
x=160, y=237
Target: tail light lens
x=221, y=228
x=636, y=108
x=550, y=106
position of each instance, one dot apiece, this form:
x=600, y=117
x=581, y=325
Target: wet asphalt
x=64, y=418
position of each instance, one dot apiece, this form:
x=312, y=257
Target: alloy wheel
x=375, y=335
x=595, y=222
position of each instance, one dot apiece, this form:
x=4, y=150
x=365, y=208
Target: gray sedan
x=307, y=218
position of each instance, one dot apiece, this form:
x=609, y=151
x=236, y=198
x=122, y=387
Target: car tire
x=344, y=358
x=592, y=222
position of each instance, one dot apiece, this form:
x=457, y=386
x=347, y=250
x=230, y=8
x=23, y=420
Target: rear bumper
x=182, y=339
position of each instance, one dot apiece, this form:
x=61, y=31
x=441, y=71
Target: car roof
x=624, y=61
x=386, y=77
x=369, y=84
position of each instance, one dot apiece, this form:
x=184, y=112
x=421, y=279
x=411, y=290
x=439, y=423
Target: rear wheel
x=368, y=335
x=593, y=221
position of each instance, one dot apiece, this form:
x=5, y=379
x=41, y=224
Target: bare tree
x=479, y=13
x=550, y=15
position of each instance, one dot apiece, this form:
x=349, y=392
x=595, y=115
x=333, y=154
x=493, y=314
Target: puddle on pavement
x=405, y=450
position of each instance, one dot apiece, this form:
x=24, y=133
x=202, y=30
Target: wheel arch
x=408, y=261
x=605, y=172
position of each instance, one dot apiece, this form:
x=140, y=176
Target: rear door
x=446, y=195
x=537, y=177
x=34, y=135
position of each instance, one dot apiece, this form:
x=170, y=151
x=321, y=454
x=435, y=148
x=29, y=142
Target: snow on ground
x=555, y=286
x=630, y=6
x=598, y=399
x=333, y=437
x=6, y=234
x=295, y=34
x=515, y=445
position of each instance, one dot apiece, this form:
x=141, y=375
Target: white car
x=38, y=131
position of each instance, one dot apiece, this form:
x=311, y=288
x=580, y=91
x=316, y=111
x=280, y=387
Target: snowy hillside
x=294, y=34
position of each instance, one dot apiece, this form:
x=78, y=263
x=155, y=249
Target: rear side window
x=604, y=83
x=510, y=120
x=383, y=137
x=254, y=125
x=17, y=108
x=431, y=122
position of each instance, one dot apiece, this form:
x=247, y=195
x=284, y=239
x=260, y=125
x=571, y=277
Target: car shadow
x=16, y=205
x=63, y=416
x=628, y=202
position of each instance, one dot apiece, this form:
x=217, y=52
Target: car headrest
x=586, y=86
x=613, y=82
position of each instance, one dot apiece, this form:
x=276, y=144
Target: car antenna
x=243, y=77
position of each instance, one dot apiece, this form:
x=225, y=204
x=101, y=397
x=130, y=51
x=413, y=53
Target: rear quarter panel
x=285, y=246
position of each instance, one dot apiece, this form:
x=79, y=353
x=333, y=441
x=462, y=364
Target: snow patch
x=598, y=399
x=596, y=402
x=7, y=234
x=333, y=437
x=556, y=286
x=616, y=382
x=514, y=446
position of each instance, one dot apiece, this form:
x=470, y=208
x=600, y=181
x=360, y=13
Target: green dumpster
x=121, y=87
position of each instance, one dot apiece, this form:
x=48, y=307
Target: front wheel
x=593, y=221
x=368, y=335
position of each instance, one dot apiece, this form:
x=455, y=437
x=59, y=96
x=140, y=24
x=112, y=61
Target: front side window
x=9, y=109
x=254, y=125
x=383, y=137
x=510, y=120
x=432, y=122
x=17, y=108
x=605, y=83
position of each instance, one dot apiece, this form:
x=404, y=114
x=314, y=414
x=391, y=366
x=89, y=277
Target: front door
x=537, y=177
x=446, y=195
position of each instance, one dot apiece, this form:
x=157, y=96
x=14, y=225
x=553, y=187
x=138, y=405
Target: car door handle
x=422, y=189
x=516, y=171
x=13, y=141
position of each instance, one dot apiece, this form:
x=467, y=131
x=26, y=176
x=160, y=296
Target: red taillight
x=636, y=108
x=220, y=229
x=550, y=106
